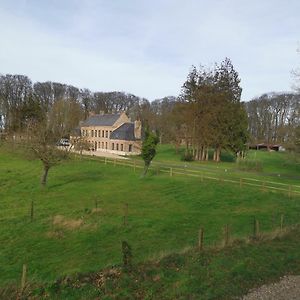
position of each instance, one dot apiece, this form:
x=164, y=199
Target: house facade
x=114, y=133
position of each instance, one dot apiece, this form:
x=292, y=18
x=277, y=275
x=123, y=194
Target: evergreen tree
x=150, y=142
x=214, y=117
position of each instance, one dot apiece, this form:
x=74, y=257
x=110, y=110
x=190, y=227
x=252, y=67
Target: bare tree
x=274, y=118
x=80, y=144
x=41, y=143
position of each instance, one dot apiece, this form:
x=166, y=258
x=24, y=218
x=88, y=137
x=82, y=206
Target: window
x=130, y=148
x=99, y=133
x=110, y=133
x=112, y=146
x=102, y=133
x=106, y=145
x=117, y=147
x=121, y=147
x=102, y=145
x=99, y=146
x=106, y=133
x=92, y=133
x=95, y=133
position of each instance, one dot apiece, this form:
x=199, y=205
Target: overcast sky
x=147, y=47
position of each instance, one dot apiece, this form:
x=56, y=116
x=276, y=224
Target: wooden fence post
x=226, y=235
x=31, y=211
x=200, y=239
x=290, y=191
x=52, y=223
x=134, y=166
x=125, y=221
x=264, y=186
x=171, y=172
x=241, y=182
x=23, y=279
x=255, y=228
x=273, y=221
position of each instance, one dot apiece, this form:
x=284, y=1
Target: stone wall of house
x=99, y=138
x=127, y=147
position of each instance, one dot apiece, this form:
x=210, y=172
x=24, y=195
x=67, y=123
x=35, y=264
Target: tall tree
x=212, y=109
x=150, y=142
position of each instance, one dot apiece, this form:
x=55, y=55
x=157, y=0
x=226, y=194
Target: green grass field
x=165, y=214
x=226, y=273
x=273, y=163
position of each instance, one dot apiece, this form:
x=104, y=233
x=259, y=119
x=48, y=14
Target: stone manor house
x=114, y=133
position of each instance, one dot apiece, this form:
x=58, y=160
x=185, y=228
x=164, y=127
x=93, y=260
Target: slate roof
x=124, y=132
x=101, y=120
x=76, y=132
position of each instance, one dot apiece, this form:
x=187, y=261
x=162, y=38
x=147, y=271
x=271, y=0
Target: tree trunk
x=45, y=175
x=198, y=152
x=206, y=154
x=177, y=145
x=194, y=152
x=186, y=148
x=203, y=153
x=145, y=170
x=218, y=154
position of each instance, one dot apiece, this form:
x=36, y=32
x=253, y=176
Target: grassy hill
x=69, y=235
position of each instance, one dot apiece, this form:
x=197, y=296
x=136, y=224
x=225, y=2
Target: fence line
x=203, y=174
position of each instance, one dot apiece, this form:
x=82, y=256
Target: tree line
x=274, y=118
x=22, y=102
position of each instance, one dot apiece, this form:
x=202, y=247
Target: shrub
x=187, y=157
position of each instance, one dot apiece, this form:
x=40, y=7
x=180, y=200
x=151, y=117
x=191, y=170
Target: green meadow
x=78, y=219
x=275, y=166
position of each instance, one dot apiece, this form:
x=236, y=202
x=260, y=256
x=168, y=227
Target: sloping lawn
x=68, y=235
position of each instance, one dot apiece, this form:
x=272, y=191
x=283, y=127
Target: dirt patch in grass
x=57, y=234
x=69, y=224
x=97, y=210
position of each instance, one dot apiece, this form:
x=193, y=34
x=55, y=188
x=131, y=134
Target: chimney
x=137, y=129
